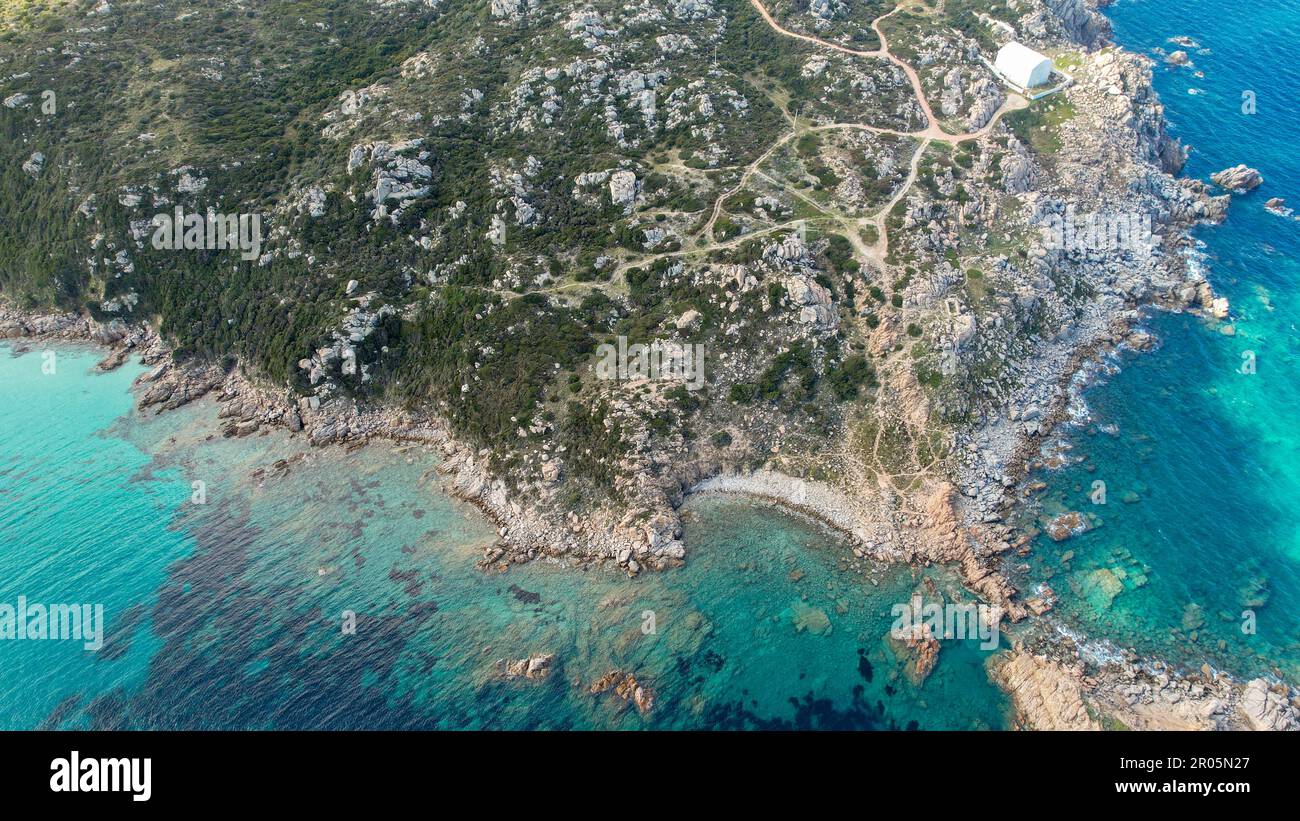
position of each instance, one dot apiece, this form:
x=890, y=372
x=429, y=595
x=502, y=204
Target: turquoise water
x=77, y=525
x=230, y=613
x=1208, y=455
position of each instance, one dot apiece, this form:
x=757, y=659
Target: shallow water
x=231, y=613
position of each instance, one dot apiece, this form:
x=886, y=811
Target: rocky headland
x=933, y=476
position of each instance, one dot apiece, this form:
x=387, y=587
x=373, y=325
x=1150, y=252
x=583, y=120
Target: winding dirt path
x=931, y=133
x=740, y=184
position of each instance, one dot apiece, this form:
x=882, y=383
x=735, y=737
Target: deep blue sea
x=1200, y=535
x=231, y=611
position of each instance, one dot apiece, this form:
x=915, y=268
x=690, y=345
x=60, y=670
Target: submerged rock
x=812, y=619
x=1100, y=587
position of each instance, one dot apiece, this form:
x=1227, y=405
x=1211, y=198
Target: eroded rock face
x=1239, y=179
x=1046, y=695
x=1080, y=20
x=1266, y=708
x=622, y=189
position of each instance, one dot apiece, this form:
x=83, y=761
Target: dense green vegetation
x=493, y=336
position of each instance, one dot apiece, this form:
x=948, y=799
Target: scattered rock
x=626, y=687
x=1070, y=523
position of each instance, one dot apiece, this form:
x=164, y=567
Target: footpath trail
x=933, y=132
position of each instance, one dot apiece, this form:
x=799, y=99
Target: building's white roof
x=1023, y=66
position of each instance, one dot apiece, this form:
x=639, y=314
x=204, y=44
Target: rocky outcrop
x=1046, y=695
x=168, y=386
x=1080, y=21
x=813, y=301
x=1278, y=207
x=1238, y=179
x=34, y=164
x=1060, y=684
x=70, y=326
x=622, y=190
x=919, y=651
x=1267, y=708
x=532, y=668
x=122, y=340
x=626, y=687
x=1070, y=523
x=945, y=541
x=396, y=178
x=933, y=520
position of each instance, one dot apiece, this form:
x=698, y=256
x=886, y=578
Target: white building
x=1022, y=66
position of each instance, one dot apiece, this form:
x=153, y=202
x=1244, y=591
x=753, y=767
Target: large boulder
x=1266, y=709
x=622, y=189
x=1238, y=179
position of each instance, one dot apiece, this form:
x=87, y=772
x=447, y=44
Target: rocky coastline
x=247, y=407
x=959, y=519
x=1051, y=684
